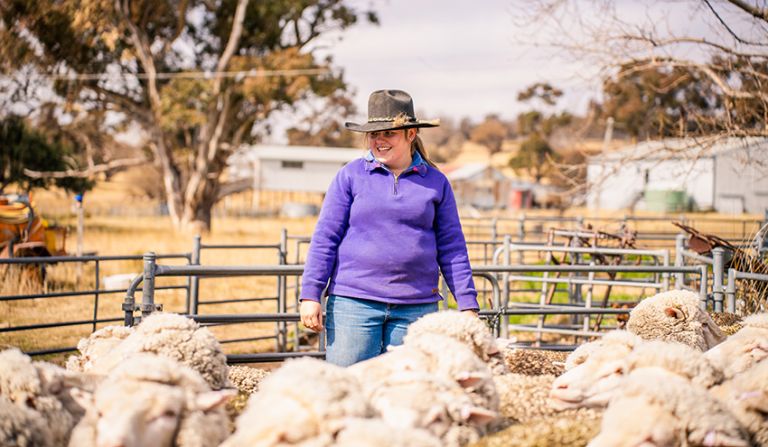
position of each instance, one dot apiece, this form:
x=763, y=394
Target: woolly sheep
x=245, y=378
x=304, y=402
x=377, y=433
x=436, y=354
x=747, y=397
x=31, y=385
x=169, y=335
x=594, y=382
x=675, y=316
x=660, y=408
x=759, y=321
x=740, y=351
x=22, y=427
x=98, y=345
x=727, y=322
x=425, y=401
x=523, y=397
x=622, y=341
x=152, y=400
x=465, y=328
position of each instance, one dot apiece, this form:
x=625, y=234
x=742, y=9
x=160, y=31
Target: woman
x=388, y=222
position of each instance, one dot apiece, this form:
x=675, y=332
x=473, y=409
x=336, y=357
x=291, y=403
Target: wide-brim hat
x=390, y=110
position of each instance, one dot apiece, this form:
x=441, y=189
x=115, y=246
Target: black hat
x=390, y=109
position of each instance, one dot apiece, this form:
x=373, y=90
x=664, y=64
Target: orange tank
x=25, y=231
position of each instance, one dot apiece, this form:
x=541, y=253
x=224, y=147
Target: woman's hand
x=311, y=315
x=472, y=312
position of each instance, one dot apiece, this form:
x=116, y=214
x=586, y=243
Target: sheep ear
x=212, y=399
x=478, y=415
x=467, y=379
x=720, y=439
x=82, y=397
x=674, y=312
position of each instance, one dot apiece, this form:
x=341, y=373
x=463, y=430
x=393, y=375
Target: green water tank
x=666, y=200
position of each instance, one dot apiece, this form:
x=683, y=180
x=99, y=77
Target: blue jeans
x=360, y=329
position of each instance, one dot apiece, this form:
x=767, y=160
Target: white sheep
x=245, y=378
x=43, y=388
x=623, y=342
x=304, y=402
x=675, y=316
x=169, y=335
x=747, y=396
x=740, y=351
x=425, y=401
x=439, y=355
x=567, y=428
x=534, y=362
x=465, y=328
x=595, y=381
x=152, y=400
x=376, y=432
x=524, y=397
x=657, y=407
x=759, y=321
x=23, y=427
x=96, y=346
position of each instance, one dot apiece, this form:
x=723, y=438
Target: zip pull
x=397, y=177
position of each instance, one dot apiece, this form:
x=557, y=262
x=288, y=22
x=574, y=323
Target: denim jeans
x=360, y=329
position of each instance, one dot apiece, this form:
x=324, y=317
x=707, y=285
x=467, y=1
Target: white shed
x=726, y=175
x=290, y=168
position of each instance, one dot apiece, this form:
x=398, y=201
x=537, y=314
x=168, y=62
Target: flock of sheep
x=672, y=378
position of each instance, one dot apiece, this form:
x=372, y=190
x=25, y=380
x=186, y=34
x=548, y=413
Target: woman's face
x=392, y=147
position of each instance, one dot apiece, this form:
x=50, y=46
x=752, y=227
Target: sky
x=471, y=58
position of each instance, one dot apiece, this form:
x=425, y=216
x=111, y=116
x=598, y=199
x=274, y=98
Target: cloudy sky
x=469, y=58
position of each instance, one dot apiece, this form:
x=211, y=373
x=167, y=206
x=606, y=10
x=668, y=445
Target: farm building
x=728, y=175
x=479, y=185
x=290, y=168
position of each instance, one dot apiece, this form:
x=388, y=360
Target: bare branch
x=756, y=12
x=91, y=171
x=234, y=187
x=229, y=50
x=744, y=7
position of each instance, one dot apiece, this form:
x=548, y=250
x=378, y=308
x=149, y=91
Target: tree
x=195, y=76
x=22, y=147
x=491, y=133
x=535, y=157
x=701, y=76
x=323, y=126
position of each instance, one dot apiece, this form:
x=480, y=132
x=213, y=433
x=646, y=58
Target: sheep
x=740, y=351
x=169, y=335
x=304, y=402
x=43, y=388
x=99, y=344
x=535, y=362
x=759, y=321
x=377, y=433
x=594, y=382
x=621, y=341
x=657, y=407
x=23, y=427
x=437, y=354
x=747, y=397
x=465, y=328
x=675, y=316
x=246, y=380
x=413, y=399
x=152, y=400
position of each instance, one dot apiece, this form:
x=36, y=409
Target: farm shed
x=481, y=186
x=290, y=168
x=728, y=175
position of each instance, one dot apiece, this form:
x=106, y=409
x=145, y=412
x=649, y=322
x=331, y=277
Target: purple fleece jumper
x=382, y=238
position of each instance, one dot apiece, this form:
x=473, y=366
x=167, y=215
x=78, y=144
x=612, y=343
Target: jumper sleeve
x=330, y=230
x=452, y=256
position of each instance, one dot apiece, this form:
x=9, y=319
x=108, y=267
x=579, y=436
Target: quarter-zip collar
x=418, y=164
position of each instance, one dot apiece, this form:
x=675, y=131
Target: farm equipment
x=23, y=233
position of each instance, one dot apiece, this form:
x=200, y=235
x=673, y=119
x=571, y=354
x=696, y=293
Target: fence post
x=679, y=247
x=718, y=265
x=521, y=237
x=148, y=291
x=730, y=291
x=494, y=228
x=96, y=296
x=505, y=289
x=703, y=269
x=282, y=294
x=195, y=285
